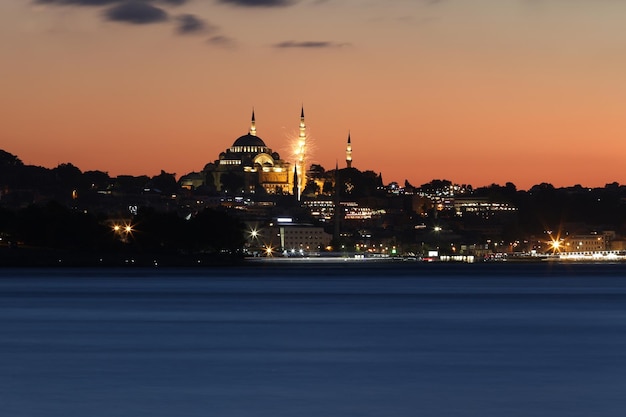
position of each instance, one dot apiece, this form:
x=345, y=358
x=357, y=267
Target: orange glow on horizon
x=524, y=96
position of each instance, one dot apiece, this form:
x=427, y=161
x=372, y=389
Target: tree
x=96, y=179
x=328, y=187
x=232, y=182
x=164, y=183
x=8, y=159
x=67, y=175
x=56, y=226
x=213, y=231
x=311, y=188
x=316, y=171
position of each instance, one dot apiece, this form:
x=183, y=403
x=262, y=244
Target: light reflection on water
x=385, y=341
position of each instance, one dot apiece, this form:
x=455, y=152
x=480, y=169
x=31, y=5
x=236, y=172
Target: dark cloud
x=189, y=23
x=141, y=12
x=223, y=41
x=308, y=44
x=136, y=12
x=107, y=2
x=259, y=3
x=79, y=2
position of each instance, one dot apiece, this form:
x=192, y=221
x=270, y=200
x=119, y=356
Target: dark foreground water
x=323, y=341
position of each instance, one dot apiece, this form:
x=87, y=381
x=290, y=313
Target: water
x=330, y=340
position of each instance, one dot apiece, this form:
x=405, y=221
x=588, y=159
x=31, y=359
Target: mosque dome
x=249, y=140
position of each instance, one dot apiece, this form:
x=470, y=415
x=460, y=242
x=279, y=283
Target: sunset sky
x=473, y=91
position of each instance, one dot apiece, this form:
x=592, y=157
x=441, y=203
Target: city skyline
x=489, y=92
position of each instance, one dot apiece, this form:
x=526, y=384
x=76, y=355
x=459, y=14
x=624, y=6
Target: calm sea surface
x=317, y=340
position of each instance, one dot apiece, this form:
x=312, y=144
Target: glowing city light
x=123, y=231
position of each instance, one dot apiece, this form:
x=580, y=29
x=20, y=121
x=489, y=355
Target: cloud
x=79, y=2
x=136, y=12
x=106, y=2
x=259, y=3
x=222, y=41
x=309, y=44
x=189, y=23
x=142, y=12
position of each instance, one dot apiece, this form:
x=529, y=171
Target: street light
x=556, y=246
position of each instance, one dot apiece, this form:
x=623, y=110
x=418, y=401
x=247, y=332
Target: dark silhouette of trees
x=209, y=231
x=316, y=171
x=157, y=232
x=311, y=188
x=7, y=159
x=56, y=226
x=215, y=231
x=232, y=182
x=164, y=183
x=496, y=192
x=96, y=179
x=435, y=185
x=128, y=184
x=355, y=184
x=67, y=174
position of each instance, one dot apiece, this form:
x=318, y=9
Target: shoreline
x=52, y=258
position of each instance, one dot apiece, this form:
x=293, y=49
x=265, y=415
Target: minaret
x=296, y=186
x=301, y=164
x=337, y=204
x=349, y=153
x=253, y=125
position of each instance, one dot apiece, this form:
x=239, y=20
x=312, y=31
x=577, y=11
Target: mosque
x=249, y=165
x=254, y=163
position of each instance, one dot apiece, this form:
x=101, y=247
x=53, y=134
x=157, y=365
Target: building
x=284, y=236
x=481, y=206
x=250, y=166
x=585, y=243
x=298, y=239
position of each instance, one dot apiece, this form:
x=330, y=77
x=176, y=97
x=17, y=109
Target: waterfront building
x=283, y=236
x=584, y=243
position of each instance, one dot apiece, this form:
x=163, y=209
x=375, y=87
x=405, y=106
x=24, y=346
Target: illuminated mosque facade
x=249, y=165
x=250, y=157
x=254, y=164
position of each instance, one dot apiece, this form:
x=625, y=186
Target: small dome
x=249, y=140
x=192, y=176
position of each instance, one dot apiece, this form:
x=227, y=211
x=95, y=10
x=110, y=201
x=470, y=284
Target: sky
x=472, y=91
